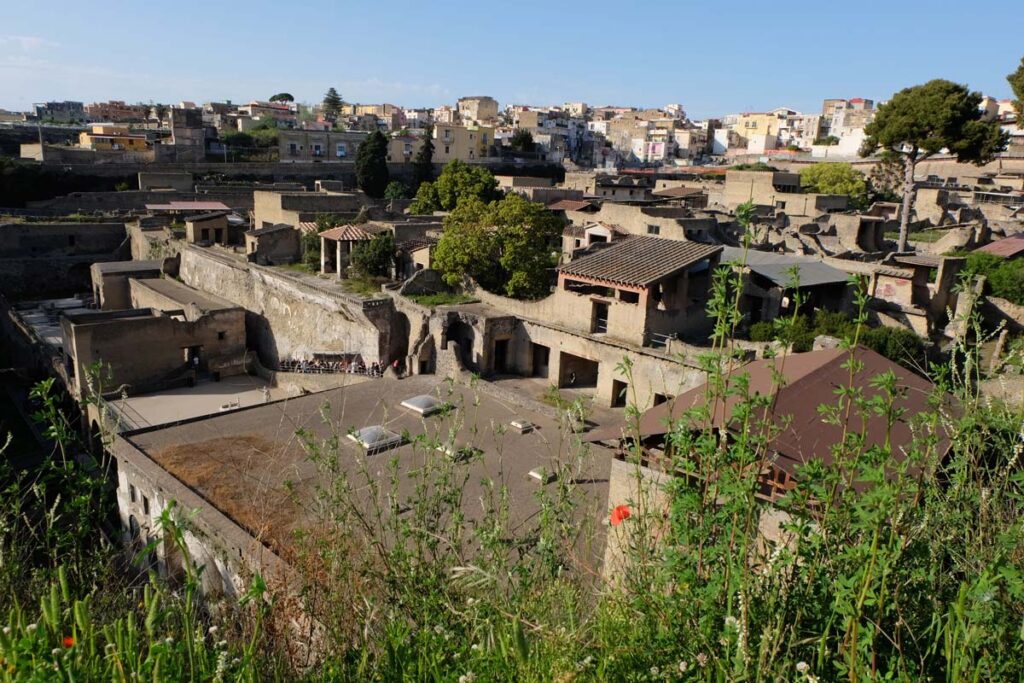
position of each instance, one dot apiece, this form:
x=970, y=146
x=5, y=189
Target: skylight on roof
x=376, y=438
x=424, y=404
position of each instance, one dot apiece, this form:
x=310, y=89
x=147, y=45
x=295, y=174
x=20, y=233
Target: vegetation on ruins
x=372, y=174
x=376, y=256
x=396, y=189
x=507, y=246
x=923, y=120
x=757, y=166
x=1004, y=277
x=458, y=181
x=833, y=177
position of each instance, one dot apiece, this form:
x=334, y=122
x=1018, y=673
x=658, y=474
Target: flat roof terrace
x=184, y=295
x=251, y=465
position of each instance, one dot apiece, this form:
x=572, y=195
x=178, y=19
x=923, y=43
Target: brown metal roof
x=677, y=192
x=920, y=260
x=640, y=261
x=1008, y=247
x=570, y=205
x=810, y=380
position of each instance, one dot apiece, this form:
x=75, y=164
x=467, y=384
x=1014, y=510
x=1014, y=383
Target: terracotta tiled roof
x=1008, y=247
x=640, y=261
x=346, y=233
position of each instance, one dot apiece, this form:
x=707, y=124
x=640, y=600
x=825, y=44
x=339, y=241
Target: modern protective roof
x=570, y=205
x=112, y=267
x=1008, y=247
x=640, y=261
x=778, y=267
x=809, y=380
x=188, y=206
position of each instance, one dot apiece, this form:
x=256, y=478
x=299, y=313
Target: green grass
x=918, y=235
x=363, y=285
x=300, y=267
x=440, y=299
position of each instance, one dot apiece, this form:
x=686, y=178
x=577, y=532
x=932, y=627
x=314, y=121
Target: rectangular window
x=653, y=229
x=447, y=149
x=293, y=149
x=145, y=505
x=317, y=151
x=341, y=150
x=131, y=492
x=222, y=335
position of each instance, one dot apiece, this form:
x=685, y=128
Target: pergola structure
x=344, y=238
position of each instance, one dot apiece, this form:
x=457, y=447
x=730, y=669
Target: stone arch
x=463, y=334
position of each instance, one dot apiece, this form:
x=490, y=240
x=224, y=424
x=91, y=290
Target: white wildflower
x=683, y=666
x=212, y=630
x=802, y=667
x=169, y=641
x=31, y=628
x=702, y=660
x=55, y=652
x=467, y=677
x=474, y=647
x=655, y=671
x=731, y=622
x=7, y=630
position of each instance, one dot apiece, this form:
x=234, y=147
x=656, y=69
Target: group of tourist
x=321, y=366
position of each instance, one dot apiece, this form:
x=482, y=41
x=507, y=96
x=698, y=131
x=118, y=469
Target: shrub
x=762, y=332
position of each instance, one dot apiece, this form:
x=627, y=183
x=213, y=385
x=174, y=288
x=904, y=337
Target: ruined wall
x=38, y=260
x=288, y=318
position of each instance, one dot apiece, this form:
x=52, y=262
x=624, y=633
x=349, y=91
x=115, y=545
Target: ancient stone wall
x=288, y=318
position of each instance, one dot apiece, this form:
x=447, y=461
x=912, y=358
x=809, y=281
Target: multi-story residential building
x=576, y=109
x=478, y=109
x=282, y=112
x=108, y=138
x=445, y=114
x=461, y=142
x=310, y=145
x=59, y=112
x=116, y=111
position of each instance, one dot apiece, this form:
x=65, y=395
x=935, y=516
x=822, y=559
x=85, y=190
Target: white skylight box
x=424, y=404
x=376, y=438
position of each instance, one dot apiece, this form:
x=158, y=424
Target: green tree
x=522, y=140
x=836, y=178
x=828, y=141
x=396, y=190
x=372, y=174
x=458, y=181
x=374, y=257
x=282, y=97
x=507, y=246
x=423, y=164
x=1016, y=81
x=923, y=120
x=332, y=104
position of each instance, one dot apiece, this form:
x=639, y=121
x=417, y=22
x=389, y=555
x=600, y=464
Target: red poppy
x=620, y=514
x=68, y=641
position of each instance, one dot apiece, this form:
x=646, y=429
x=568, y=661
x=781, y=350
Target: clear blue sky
x=714, y=58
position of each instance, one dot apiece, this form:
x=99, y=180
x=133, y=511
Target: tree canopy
x=282, y=97
x=507, y=246
x=396, y=190
x=332, y=104
x=1016, y=81
x=522, y=140
x=836, y=178
x=926, y=119
x=374, y=257
x=372, y=174
x=457, y=181
x=423, y=164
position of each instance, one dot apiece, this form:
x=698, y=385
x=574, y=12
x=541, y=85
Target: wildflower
x=31, y=628
x=7, y=630
x=69, y=641
x=620, y=514
x=702, y=660
x=731, y=622
x=56, y=652
x=802, y=667
x=683, y=666
x=169, y=641
x=467, y=677
x=474, y=647
x=655, y=671
x=212, y=630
